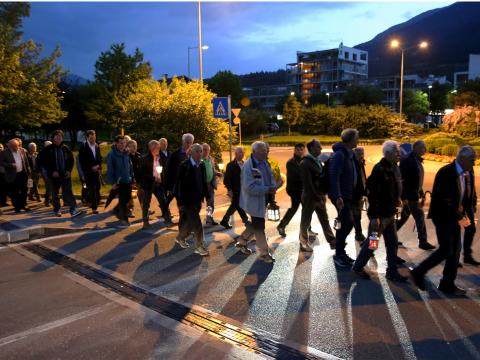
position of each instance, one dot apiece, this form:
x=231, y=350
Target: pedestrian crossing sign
x=221, y=107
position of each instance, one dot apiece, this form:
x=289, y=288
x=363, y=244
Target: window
x=363, y=56
x=354, y=57
x=347, y=55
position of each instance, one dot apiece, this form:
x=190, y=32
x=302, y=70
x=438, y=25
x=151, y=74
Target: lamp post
x=396, y=44
x=328, y=99
x=204, y=47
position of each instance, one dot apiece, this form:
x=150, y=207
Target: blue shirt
x=264, y=169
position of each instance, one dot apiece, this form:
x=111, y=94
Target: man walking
x=211, y=178
x=232, y=181
x=294, y=186
x=343, y=182
x=175, y=160
x=164, y=157
x=35, y=175
x=384, y=188
x=359, y=193
x=190, y=190
x=57, y=161
x=120, y=175
x=257, y=185
x=412, y=171
x=90, y=160
x=452, y=200
x=313, y=196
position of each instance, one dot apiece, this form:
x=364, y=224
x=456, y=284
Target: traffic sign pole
x=230, y=123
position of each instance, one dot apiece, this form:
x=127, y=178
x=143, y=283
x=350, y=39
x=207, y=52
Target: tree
x=363, y=95
x=291, y=112
x=116, y=77
x=254, y=121
x=439, y=97
x=29, y=96
x=225, y=83
x=415, y=105
x=318, y=98
x=468, y=94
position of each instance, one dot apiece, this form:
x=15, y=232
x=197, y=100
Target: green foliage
x=363, y=95
x=291, y=112
x=449, y=150
x=468, y=94
x=29, y=96
x=225, y=83
x=254, y=121
x=439, y=97
x=415, y=105
x=436, y=142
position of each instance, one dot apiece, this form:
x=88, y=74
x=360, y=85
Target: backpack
x=405, y=150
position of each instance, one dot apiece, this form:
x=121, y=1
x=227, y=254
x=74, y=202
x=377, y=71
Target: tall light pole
x=328, y=99
x=204, y=47
x=200, y=41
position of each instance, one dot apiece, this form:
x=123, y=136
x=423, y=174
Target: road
x=133, y=294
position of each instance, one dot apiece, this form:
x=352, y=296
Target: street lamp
x=396, y=44
x=429, y=88
x=328, y=99
x=292, y=93
x=204, y=47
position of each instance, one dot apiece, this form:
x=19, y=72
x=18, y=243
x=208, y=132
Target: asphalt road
x=303, y=301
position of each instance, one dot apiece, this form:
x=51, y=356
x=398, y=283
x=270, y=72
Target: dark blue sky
x=242, y=37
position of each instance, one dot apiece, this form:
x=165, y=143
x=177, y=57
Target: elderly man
x=453, y=197
x=359, y=194
x=190, y=190
x=343, y=184
x=211, y=177
x=3, y=186
x=176, y=158
x=384, y=187
x=257, y=186
x=35, y=175
x=16, y=171
x=90, y=159
x=150, y=180
x=232, y=182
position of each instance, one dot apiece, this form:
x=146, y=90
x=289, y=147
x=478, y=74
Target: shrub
x=437, y=141
x=449, y=150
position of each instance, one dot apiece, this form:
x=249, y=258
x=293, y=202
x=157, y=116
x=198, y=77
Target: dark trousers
x=296, y=200
x=33, y=191
x=357, y=216
x=211, y=193
x=346, y=218
x=235, y=206
x=389, y=231
x=255, y=228
x=18, y=191
x=48, y=191
x=190, y=222
x=468, y=235
x=308, y=207
x=67, y=194
x=448, y=235
x=156, y=190
x=414, y=209
x=124, y=197
x=3, y=190
x=92, y=180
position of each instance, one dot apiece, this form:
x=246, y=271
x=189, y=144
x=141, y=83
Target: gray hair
x=389, y=147
x=238, y=148
x=186, y=137
x=257, y=145
x=32, y=145
x=129, y=142
x=196, y=147
x=419, y=143
x=206, y=145
x=153, y=144
x=163, y=140
x=466, y=152
x=359, y=150
x=127, y=138
x=348, y=135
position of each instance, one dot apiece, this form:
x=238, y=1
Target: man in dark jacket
x=175, y=160
x=135, y=158
x=359, y=193
x=190, y=190
x=34, y=172
x=16, y=172
x=384, y=189
x=3, y=186
x=313, y=196
x=150, y=180
x=452, y=200
x=343, y=182
x=232, y=182
x=412, y=171
x=294, y=186
x=90, y=160
x=164, y=158
x=57, y=162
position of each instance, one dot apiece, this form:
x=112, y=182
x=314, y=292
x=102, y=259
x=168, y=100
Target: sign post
x=238, y=122
x=222, y=109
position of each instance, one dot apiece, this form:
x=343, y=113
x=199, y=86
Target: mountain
x=452, y=32
x=74, y=80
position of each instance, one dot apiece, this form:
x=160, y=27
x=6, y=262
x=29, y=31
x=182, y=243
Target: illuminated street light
x=292, y=93
x=328, y=99
x=204, y=47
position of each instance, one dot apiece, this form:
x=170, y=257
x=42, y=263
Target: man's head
x=13, y=145
x=314, y=147
x=58, y=137
x=47, y=143
x=391, y=151
x=350, y=137
x=359, y=153
x=32, y=148
x=20, y=142
x=299, y=150
x=120, y=142
x=206, y=150
x=239, y=153
x=163, y=144
x=466, y=157
x=132, y=146
x=187, y=141
x=196, y=151
x=419, y=148
x=1, y=147
x=127, y=138
x=91, y=136
x=259, y=150
x=154, y=147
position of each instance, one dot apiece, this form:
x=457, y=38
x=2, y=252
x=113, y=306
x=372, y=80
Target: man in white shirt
x=91, y=164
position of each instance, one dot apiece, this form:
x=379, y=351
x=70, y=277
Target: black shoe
x=360, y=237
x=399, y=243
x=332, y=243
x=27, y=209
x=281, y=231
x=426, y=246
x=470, y=260
x=400, y=260
x=211, y=222
x=396, y=276
x=349, y=259
x=225, y=224
x=342, y=261
x=361, y=273
x=168, y=223
x=451, y=289
x=418, y=279
x=243, y=249
x=312, y=232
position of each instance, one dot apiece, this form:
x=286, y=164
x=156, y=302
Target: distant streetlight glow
x=423, y=44
x=204, y=47
x=292, y=93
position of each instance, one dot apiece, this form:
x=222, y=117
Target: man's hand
x=55, y=174
x=95, y=168
x=339, y=204
x=465, y=222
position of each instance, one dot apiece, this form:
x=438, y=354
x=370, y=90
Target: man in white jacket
x=257, y=183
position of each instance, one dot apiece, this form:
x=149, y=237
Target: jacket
x=411, y=189
x=254, y=190
x=48, y=160
x=446, y=204
x=136, y=159
x=311, y=172
x=9, y=169
x=341, y=172
x=173, y=165
x=361, y=189
x=86, y=158
x=231, y=178
x=187, y=187
x=383, y=190
x=294, y=176
x=119, y=167
x=145, y=172
x=164, y=162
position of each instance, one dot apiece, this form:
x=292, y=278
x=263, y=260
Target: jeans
x=416, y=211
x=296, y=199
x=346, y=218
x=190, y=222
x=158, y=191
x=255, y=228
x=55, y=184
x=308, y=207
x=235, y=206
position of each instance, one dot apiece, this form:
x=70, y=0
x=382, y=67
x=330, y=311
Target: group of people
x=392, y=192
